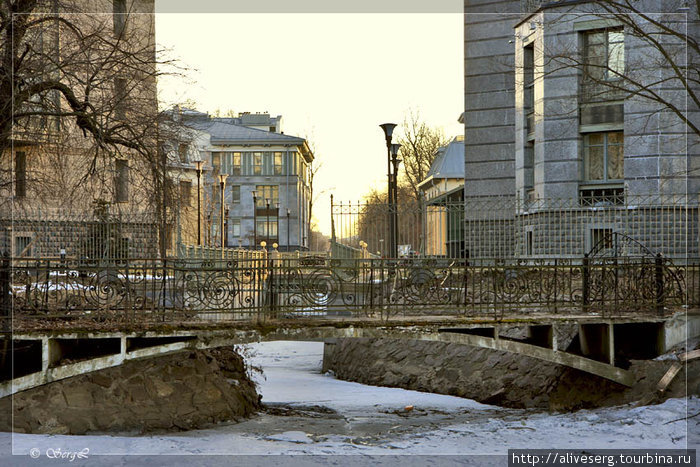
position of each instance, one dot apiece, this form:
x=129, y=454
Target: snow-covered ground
x=312, y=413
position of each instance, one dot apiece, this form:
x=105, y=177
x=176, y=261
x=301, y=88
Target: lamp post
x=288, y=246
x=388, y=129
x=255, y=219
x=395, y=161
x=267, y=219
x=198, y=165
x=222, y=184
x=277, y=219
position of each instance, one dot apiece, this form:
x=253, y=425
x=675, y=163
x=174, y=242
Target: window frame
x=606, y=145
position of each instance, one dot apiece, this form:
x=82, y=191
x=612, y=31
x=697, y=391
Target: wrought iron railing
x=492, y=227
x=190, y=292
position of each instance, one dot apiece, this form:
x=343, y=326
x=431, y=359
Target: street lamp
x=198, y=166
x=288, y=247
x=388, y=129
x=222, y=184
x=255, y=219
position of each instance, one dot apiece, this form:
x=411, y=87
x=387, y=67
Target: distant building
x=268, y=166
x=443, y=193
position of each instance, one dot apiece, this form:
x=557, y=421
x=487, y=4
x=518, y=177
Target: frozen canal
x=311, y=413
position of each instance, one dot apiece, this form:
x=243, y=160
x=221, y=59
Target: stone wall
x=492, y=377
x=179, y=391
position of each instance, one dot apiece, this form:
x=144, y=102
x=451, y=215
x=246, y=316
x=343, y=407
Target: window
x=119, y=16
x=20, y=174
x=257, y=163
x=529, y=166
x=600, y=239
x=529, y=243
x=279, y=166
x=603, y=156
x=528, y=88
x=267, y=192
x=604, y=54
x=121, y=181
x=120, y=98
x=235, y=194
x=23, y=246
x=230, y=162
x=236, y=227
x=182, y=152
x=216, y=161
x=267, y=229
x=185, y=193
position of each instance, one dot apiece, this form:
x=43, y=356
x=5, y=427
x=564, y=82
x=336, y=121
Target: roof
x=449, y=161
x=229, y=133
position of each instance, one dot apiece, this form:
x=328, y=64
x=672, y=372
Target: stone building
x=75, y=176
x=567, y=152
x=267, y=188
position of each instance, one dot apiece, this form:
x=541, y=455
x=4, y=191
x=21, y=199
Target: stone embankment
x=179, y=391
x=495, y=377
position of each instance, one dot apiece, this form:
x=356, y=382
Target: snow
x=340, y=417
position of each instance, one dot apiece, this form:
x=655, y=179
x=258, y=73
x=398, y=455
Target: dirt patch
x=496, y=377
x=180, y=391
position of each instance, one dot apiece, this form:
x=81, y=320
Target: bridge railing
x=132, y=292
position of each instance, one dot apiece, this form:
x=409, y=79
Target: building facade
x=267, y=185
x=567, y=149
x=75, y=166
x=443, y=195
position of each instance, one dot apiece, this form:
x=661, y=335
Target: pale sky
x=334, y=77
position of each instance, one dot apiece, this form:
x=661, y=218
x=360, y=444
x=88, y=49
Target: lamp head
x=388, y=130
x=395, y=149
x=198, y=165
x=263, y=244
x=222, y=178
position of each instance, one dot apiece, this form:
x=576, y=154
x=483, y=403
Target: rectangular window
x=603, y=156
x=119, y=16
x=600, y=239
x=528, y=87
x=120, y=98
x=216, y=161
x=529, y=243
x=257, y=163
x=236, y=163
x=279, y=166
x=236, y=227
x=182, y=152
x=185, y=193
x=604, y=54
x=23, y=246
x=529, y=166
x=20, y=174
x=267, y=229
x=235, y=194
x=121, y=181
x=267, y=193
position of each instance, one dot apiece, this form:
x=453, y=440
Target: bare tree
x=78, y=94
x=419, y=145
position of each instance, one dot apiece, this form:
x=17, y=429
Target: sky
x=334, y=77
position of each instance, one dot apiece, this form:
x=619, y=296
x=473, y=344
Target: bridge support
x=597, y=341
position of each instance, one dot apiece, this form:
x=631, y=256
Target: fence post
x=585, y=279
x=5, y=299
x=659, y=282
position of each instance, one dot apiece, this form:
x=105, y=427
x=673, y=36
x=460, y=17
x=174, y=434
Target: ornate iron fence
x=190, y=291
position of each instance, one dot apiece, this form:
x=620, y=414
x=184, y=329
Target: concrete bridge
x=44, y=356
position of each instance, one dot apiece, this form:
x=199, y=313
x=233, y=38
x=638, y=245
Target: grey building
x=565, y=151
x=267, y=188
